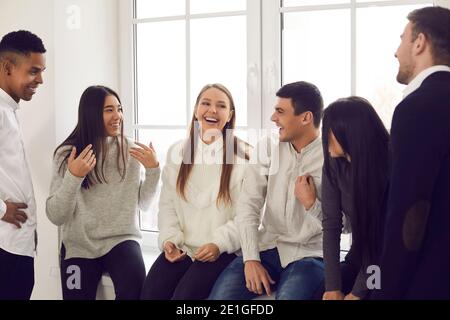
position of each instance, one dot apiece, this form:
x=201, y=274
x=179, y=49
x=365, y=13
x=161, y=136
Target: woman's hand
x=172, y=253
x=305, y=191
x=145, y=155
x=83, y=164
x=207, y=253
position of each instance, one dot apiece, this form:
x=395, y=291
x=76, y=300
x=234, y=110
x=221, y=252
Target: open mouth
x=211, y=120
x=115, y=125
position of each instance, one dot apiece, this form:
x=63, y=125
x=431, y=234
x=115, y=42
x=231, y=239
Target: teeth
x=211, y=119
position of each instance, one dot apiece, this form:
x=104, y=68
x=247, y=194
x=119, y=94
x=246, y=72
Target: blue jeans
x=298, y=281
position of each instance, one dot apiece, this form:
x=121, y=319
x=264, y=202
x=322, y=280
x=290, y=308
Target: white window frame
x=264, y=57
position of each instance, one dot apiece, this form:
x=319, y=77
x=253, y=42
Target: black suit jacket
x=415, y=263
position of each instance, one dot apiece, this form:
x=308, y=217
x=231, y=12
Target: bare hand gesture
x=145, y=155
x=305, y=191
x=256, y=276
x=172, y=253
x=207, y=253
x=14, y=215
x=83, y=164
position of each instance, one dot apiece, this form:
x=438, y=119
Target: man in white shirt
x=415, y=260
x=22, y=62
x=282, y=249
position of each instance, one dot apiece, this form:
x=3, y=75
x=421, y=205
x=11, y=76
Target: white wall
x=76, y=58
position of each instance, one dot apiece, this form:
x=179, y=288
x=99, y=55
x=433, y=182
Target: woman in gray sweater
x=354, y=184
x=100, y=181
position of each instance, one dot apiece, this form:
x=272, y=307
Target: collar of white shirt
x=417, y=81
x=8, y=100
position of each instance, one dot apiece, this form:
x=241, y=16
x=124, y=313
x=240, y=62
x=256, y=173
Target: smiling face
x=213, y=111
x=291, y=125
x=112, y=116
x=24, y=76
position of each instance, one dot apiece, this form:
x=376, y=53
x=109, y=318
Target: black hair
x=90, y=129
x=21, y=42
x=305, y=97
x=363, y=136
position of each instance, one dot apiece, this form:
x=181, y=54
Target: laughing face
x=112, y=116
x=290, y=126
x=25, y=75
x=213, y=111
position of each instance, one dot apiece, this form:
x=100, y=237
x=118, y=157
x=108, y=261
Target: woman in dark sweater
x=354, y=182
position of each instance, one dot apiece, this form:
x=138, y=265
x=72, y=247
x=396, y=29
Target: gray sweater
x=95, y=220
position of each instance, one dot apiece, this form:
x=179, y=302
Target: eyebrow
x=37, y=68
x=279, y=109
x=112, y=106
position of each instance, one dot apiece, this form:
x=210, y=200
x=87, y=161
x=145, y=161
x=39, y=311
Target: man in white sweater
x=282, y=248
x=22, y=62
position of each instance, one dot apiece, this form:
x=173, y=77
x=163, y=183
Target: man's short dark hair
x=434, y=23
x=305, y=97
x=21, y=42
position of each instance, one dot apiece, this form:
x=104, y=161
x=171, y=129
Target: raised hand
x=83, y=164
x=14, y=215
x=172, y=253
x=145, y=155
x=305, y=191
x=207, y=253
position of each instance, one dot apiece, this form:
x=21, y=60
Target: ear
x=420, y=44
x=307, y=118
x=230, y=116
x=6, y=66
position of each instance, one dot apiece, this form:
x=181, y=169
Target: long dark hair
x=90, y=129
x=228, y=160
x=362, y=135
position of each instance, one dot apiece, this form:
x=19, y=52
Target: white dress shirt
x=417, y=81
x=15, y=182
x=270, y=181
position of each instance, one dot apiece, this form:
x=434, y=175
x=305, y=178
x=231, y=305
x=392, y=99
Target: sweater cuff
x=71, y=183
x=2, y=208
x=152, y=172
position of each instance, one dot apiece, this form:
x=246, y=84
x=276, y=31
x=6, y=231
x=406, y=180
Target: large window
x=345, y=47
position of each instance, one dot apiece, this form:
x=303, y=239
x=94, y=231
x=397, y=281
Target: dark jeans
x=16, y=276
x=299, y=280
x=183, y=280
x=124, y=263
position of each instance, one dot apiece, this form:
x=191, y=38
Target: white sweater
x=198, y=221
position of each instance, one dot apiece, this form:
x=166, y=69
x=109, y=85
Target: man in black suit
x=415, y=263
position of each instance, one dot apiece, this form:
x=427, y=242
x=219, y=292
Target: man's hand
x=172, y=253
x=207, y=253
x=83, y=164
x=305, y=191
x=256, y=276
x=14, y=215
x=333, y=295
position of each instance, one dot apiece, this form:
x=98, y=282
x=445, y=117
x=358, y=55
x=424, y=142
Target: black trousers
x=124, y=263
x=16, y=276
x=183, y=280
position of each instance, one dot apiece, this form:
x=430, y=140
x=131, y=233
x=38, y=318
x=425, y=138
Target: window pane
x=153, y=9
x=211, y=6
x=161, y=71
x=316, y=54
x=296, y=3
x=376, y=65
x=161, y=140
x=219, y=54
